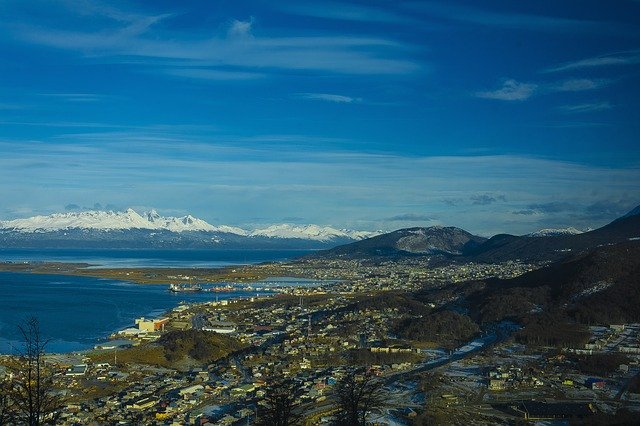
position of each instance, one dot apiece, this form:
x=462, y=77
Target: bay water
x=75, y=313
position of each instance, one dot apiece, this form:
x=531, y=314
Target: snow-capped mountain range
x=313, y=232
x=555, y=232
x=131, y=220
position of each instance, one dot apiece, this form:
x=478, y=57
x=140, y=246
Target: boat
x=185, y=288
x=222, y=289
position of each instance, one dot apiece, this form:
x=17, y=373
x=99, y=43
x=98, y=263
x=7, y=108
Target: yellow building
x=151, y=325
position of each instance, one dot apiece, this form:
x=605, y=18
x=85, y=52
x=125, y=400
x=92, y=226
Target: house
x=143, y=404
x=77, y=370
x=190, y=391
x=497, y=384
x=221, y=327
x=242, y=390
x=151, y=325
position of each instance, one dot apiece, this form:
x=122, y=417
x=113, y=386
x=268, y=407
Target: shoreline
x=154, y=275
x=77, y=270
x=114, y=334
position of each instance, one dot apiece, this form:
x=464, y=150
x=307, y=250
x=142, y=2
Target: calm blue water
x=77, y=312
x=124, y=258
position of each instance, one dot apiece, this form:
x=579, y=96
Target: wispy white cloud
x=98, y=8
x=329, y=97
x=213, y=74
x=240, y=29
x=147, y=38
x=511, y=90
x=165, y=170
x=621, y=58
x=410, y=217
x=511, y=21
x=75, y=97
x=578, y=85
x=591, y=107
x=347, y=12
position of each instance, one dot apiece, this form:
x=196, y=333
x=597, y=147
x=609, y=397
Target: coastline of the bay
x=234, y=274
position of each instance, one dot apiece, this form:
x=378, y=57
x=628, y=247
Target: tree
x=279, y=404
x=6, y=412
x=32, y=393
x=357, y=394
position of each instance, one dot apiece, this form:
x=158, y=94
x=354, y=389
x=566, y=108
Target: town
x=165, y=371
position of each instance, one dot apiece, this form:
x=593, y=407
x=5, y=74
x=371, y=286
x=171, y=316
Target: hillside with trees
x=446, y=328
x=554, y=303
x=177, y=348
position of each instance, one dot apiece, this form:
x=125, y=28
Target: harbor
x=94, y=308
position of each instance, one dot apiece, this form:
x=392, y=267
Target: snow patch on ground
x=597, y=288
x=549, y=232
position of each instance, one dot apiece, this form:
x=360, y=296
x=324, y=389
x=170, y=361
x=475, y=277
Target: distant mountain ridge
x=410, y=242
x=106, y=221
x=554, y=232
x=504, y=247
x=129, y=229
x=451, y=242
x=633, y=212
x=130, y=219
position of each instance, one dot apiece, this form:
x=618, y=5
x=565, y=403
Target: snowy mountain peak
x=152, y=220
x=106, y=221
x=101, y=220
x=152, y=216
x=313, y=232
x=185, y=223
x=555, y=232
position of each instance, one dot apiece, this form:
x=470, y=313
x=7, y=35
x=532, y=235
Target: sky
x=494, y=116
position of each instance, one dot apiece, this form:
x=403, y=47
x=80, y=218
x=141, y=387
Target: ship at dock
x=185, y=288
x=222, y=289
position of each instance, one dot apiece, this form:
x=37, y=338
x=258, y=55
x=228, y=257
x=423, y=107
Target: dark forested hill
x=599, y=286
x=509, y=247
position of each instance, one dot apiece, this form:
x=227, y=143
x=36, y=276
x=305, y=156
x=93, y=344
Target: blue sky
x=501, y=117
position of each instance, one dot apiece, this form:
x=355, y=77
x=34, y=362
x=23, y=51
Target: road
x=502, y=332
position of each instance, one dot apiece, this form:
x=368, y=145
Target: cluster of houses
x=503, y=378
